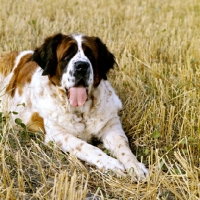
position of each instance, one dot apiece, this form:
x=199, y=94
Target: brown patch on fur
x=90, y=49
x=55, y=79
x=28, y=103
x=67, y=48
x=41, y=93
x=123, y=154
x=103, y=60
x=22, y=75
x=36, y=123
x=81, y=144
x=59, y=143
x=66, y=138
x=7, y=62
x=102, y=169
x=126, y=144
x=78, y=148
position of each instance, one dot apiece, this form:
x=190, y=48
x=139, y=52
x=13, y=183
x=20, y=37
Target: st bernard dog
x=64, y=88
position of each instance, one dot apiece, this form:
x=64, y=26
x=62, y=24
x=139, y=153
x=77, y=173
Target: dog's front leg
x=82, y=150
x=115, y=140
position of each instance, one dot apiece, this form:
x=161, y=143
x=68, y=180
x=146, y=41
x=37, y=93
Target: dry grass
x=157, y=46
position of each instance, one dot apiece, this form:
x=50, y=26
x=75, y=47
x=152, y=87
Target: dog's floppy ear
x=45, y=55
x=106, y=60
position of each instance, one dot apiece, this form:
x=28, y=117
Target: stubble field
x=157, y=47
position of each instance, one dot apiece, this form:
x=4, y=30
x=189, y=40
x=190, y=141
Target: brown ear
x=106, y=60
x=45, y=55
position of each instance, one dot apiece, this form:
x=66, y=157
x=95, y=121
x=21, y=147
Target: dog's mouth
x=77, y=95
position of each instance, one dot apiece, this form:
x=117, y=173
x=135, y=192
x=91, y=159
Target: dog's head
x=74, y=62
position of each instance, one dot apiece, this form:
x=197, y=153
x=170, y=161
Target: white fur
x=71, y=127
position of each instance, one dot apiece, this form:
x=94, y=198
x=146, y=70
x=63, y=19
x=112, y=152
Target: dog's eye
x=88, y=52
x=90, y=56
x=66, y=57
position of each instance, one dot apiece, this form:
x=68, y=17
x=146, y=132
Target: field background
x=157, y=47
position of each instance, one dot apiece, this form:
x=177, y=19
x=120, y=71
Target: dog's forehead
x=80, y=44
x=85, y=41
x=66, y=42
x=75, y=40
x=79, y=39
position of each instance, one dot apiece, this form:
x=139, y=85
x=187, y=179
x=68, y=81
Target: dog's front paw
x=112, y=164
x=138, y=169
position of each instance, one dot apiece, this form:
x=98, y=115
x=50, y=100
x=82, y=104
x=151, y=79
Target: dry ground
x=157, y=46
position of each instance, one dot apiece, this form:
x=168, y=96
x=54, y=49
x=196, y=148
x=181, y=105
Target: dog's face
x=74, y=61
x=78, y=63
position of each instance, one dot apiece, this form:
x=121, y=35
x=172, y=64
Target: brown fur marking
x=36, y=123
x=63, y=49
x=59, y=143
x=22, y=75
x=90, y=44
x=78, y=148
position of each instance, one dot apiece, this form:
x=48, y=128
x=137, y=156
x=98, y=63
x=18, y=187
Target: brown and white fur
x=42, y=80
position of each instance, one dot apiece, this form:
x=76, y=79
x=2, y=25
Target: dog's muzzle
x=81, y=73
x=78, y=93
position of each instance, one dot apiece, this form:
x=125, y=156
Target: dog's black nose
x=81, y=66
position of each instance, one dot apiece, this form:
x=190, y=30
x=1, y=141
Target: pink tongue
x=77, y=96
